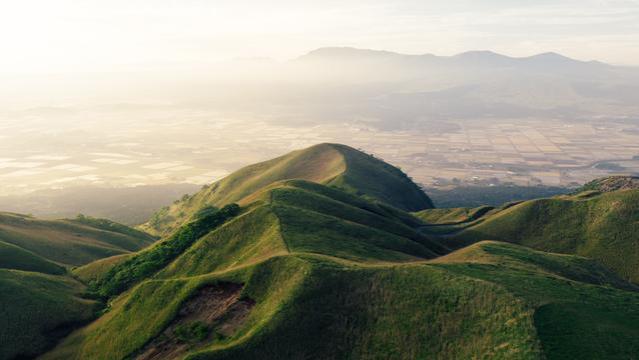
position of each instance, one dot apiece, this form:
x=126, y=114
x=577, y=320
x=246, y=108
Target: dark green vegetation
x=40, y=300
x=15, y=257
x=193, y=332
x=334, y=165
x=37, y=309
x=121, y=276
x=318, y=268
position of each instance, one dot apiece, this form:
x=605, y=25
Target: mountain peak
x=480, y=54
x=342, y=53
x=335, y=165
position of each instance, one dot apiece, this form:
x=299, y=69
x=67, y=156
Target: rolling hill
x=41, y=301
x=70, y=242
x=334, y=165
x=37, y=310
x=301, y=269
x=601, y=225
x=489, y=300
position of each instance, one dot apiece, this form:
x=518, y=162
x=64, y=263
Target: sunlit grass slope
x=581, y=310
x=491, y=300
x=602, y=226
x=36, y=310
x=311, y=268
x=330, y=164
x=70, y=242
x=322, y=273
x=300, y=216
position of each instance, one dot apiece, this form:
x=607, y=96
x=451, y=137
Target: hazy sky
x=70, y=35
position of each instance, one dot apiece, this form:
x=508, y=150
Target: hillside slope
x=329, y=164
x=15, y=257
x=602, y=226
x=38, y=309
x=70, y=242
x=40, y=300
x=305, y=270
x=491, y=300
x=316, y=269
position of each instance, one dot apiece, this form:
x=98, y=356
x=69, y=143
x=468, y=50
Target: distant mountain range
x=398, y=91
x=469, y=58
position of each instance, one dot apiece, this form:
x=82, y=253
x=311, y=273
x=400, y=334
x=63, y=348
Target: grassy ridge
x=299, y=216
x=377, y=180
x=342, y=313
x=604, y=227
x=578, y=313
x=123, y=275
x=112, y=226
x=252, y=237
x=39, y=301
x=69, y=242
x=14, y=257
x=326, y=269
x=96, y=270
x=336, y=276
x=491, y=300
x=140, y=315
x=331, y=164
x=36, y=310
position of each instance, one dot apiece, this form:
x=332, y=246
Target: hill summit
x=335, y=165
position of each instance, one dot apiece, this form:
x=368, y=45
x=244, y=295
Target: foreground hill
x=334, y=165
x=602, y=226
x=69, y=242
x=490, y=300
x=39, y=298
x=37, y=309
x=303, y=270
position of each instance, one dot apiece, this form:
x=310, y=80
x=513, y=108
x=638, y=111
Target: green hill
x=15, y=257
x=289, y=260
x=330, y=164
x=602, y=226
x=40, y=302
x=38, y=309
x=309, y=271
x=70, y=242
x=493, y=300
x=95, y=270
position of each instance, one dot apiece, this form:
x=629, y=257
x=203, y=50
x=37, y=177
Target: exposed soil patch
x=214, y=311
